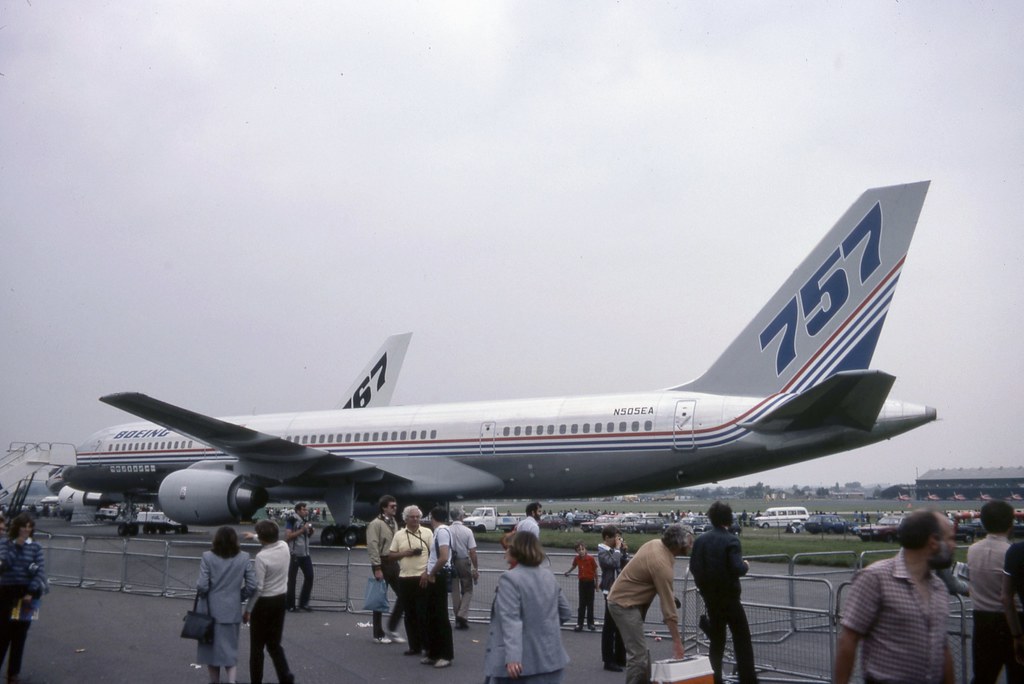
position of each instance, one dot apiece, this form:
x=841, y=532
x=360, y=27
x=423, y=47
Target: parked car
x=699, y=523
x=627, y=522
x=582, y=517
x=553, y=522
x=826, y=524
x=650, y=524
x=598, y=523
x=886, y=529
x=979, y=532
x=966, y=530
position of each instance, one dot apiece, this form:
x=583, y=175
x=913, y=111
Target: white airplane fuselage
x=558, y=447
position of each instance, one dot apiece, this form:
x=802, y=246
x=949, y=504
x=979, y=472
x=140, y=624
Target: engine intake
x=208, y=497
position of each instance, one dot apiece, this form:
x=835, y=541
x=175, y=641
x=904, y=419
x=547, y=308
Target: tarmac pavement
x=95, y=636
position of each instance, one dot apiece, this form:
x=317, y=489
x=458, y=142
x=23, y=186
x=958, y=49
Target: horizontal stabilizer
x=850, y=399
x=230, y=438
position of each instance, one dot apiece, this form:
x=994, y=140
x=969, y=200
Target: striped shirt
x=903, y=640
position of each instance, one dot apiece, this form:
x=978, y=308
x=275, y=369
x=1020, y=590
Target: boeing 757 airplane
x=795, y=385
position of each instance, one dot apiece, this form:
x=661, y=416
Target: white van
x=781, y=516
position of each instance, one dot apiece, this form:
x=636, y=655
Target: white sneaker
x=428, y=661
x=397, y=638
x=382, y=640
x=441, y=662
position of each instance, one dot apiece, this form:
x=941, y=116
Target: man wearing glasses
x=379, y=535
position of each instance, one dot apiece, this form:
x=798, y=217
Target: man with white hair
x=466, y=568
x=411, y=546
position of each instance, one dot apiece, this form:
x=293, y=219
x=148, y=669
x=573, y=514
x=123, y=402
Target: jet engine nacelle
x=70, y=498
x=209, y=497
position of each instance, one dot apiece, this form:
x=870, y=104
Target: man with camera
x=297, y=532
x=411, y=547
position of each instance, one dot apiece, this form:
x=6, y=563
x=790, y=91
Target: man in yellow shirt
x=411, y=546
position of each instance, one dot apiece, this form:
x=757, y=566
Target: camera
x=417, y=552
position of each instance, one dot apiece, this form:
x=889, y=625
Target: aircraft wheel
x=329, y=536
x=350, y=537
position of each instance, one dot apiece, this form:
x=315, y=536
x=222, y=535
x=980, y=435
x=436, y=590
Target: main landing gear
x=334, y=535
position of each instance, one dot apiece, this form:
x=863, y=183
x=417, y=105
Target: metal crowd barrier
x=794, y=616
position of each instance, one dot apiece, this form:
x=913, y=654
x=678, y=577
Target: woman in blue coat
x=226, y=579
x=22, y=582
x=525, y=639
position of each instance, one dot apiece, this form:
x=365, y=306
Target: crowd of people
x=894, y=614
x=896, y=610
x=424, y=562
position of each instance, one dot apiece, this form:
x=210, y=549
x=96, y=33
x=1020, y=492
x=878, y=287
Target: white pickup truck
x=150, y=522
x=487, y=519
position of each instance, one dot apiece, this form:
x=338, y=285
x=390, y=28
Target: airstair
x=26, y=463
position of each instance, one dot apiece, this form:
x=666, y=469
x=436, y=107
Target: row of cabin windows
x=350, y=437
x=575, y=428
x=403, y=435
x=150, y=446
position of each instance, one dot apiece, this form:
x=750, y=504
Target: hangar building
x=972, y=484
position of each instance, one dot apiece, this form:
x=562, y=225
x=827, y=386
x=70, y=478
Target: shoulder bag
x=198, y=626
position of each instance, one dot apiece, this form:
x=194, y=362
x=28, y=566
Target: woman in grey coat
x=525, y=639
x=226, y=578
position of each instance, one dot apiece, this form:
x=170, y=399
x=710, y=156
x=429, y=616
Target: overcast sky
x=229, y=205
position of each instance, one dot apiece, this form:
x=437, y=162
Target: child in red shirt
x=587, y=566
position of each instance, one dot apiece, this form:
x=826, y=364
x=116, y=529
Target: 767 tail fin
x=826, y=318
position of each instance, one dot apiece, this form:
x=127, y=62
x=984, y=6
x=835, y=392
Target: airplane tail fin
x=827, y=316
x=375, y=384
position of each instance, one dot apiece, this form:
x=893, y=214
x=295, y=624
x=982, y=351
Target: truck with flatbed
x=487, y=519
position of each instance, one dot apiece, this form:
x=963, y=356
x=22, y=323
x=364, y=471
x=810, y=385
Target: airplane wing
x=850, y=398
x=230, y=438
x=266, y=454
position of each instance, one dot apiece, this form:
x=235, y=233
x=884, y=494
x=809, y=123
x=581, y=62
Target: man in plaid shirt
x=898, y=608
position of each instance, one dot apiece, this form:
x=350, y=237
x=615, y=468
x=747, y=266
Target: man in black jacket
x=717, y=565
x=612, y=556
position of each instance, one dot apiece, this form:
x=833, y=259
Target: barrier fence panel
x=103, y=561
x=182, y=563
x=332, y=579
x=64, y=560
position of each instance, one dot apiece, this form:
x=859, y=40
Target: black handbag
x=198, y=626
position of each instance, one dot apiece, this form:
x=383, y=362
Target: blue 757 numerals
x=825, y=293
